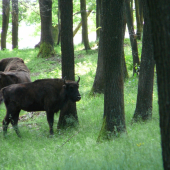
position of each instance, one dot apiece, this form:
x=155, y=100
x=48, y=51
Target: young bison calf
x=48, y=95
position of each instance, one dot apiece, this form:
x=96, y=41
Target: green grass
x=76, y=149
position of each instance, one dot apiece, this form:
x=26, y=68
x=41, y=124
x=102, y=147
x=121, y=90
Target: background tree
x=84, y=24
x=133, y=41
x=14, y=24
x=143, y=109
x=68, y=115
x=112, y=25
x=46, y=42
x=98, y=13
x=159, y=15
x=98, y=85
x=138, y=22
x=5, y=21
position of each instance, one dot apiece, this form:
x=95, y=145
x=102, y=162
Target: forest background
x=76, y=148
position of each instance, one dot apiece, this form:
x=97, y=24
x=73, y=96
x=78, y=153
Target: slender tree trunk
x=47, y=44
x=132, y=36
x=14, y=24
x=138, y=23
x=98, y=85
x=114, y=116
x=68, y=115
x=145, y=85
x=98, y=13
x=59, y=23
x=84, y=24
x=160, y=26
x=5, y=21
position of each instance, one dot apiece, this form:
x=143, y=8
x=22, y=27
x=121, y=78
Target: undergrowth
x=76, y=148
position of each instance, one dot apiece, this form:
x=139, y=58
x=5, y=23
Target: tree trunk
x=68, y=115
x=47, y=44
x=80, y=24
x=138, y=23
x=98, y=13
x=59, y=23
x=160, y=26
x=14, y=24
x=145, y=85
x=132, y=36
x=84, y=25
x=112, y=25
x=5, y=21
x=98, y=85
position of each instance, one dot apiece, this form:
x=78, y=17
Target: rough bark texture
x=114, y=116
x=84, y=24
x=46, y=47
x=5, y=21
x=14, y=24
x=132, y=36
x=68, y=115
x=145, y=85
x=160, y=26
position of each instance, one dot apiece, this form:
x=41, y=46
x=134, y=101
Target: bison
x=48, y=95
x=13, y=71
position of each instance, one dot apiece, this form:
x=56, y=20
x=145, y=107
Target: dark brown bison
x=48, y=95
x=13, y=70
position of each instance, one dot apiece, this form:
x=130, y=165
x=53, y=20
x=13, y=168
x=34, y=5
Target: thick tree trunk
x=46, y=45
x=145, y=85
x=98, y=13
x=5, y=21
x=160, y=26
x=112, y=25
x=14, y=24
x=68, y=115
x=132, y=36
x=84, y=24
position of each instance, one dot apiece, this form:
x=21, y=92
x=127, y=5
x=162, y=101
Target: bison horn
x=78, y=80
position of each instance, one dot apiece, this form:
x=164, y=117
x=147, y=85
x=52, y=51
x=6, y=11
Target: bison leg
x=50, y=119
x=5, y=124
x=14, y=122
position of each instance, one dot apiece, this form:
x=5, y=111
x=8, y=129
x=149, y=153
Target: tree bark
x=84, y=24
x=5, y=21
x=114, y=116
x=59, y=23
x=68, y=115
x=98, y=13
x=138, y=23
x=47, y=44
x=143, y=109
x=98, y=85
x=14, y=24
x=132, y=36
x=160, y=26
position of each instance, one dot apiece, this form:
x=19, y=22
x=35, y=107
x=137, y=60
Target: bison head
x=72, y=91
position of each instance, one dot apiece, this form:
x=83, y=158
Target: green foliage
x=77, y=148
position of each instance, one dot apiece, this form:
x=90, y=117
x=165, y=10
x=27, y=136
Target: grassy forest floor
x=76, y=148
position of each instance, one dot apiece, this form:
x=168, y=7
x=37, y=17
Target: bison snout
x=78, y=98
